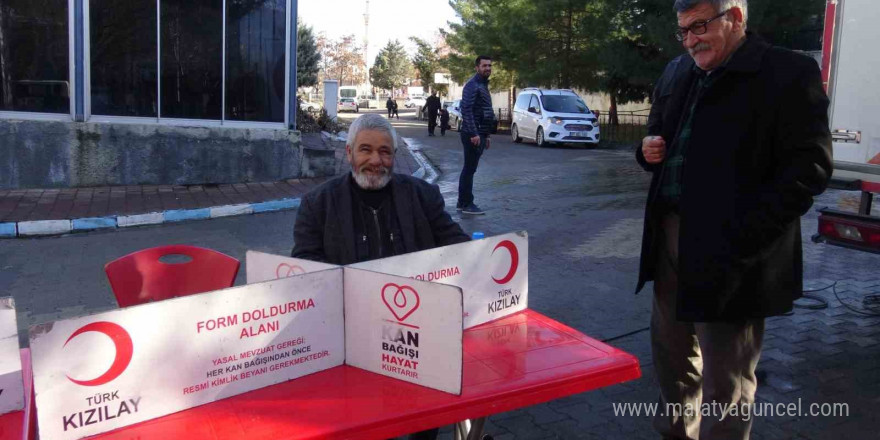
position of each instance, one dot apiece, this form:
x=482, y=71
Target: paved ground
x=582, y=209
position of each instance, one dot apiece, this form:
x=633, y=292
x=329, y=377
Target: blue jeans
x=472, y=155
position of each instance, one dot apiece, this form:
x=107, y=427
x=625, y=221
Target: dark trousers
x=712, y=363
x=472, y=155
x=443, y=125
x=432, y=121
x=389, y=113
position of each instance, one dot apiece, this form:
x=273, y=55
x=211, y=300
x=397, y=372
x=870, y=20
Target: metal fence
x=631, y=127
x=504, y=118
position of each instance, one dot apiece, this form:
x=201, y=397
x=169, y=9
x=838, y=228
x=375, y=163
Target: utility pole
x=367, y=45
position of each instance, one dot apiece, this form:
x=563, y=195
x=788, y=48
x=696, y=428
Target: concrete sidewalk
x=36, y=212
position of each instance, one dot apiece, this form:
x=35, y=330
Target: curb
x=59, y=227
x=426, y=169
x=38, y=228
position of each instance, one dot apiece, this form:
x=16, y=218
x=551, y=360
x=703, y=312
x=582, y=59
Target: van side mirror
x=533, y=110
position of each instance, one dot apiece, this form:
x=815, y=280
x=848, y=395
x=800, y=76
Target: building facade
x=109, y=92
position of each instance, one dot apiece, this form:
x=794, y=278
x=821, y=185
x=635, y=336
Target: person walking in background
x=394, y=109
x=389, y=104
x=432, y=106
x=478, y=119
x=722, y=236
x=444, y=120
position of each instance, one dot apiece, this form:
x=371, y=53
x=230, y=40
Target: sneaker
x=472, y=210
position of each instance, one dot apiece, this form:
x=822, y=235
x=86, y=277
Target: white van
x=550, y=116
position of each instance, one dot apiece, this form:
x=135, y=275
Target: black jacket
x=432, y=104
x=324, y=229
x=477, y=116
x=759, y=150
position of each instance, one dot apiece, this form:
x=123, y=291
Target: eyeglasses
x=696, y=28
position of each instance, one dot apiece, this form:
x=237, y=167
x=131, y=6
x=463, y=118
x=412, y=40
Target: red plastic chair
x=141, y=277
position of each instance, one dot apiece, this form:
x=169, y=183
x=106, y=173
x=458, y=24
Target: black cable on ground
x=614, y=338
x=867, y=303
x=819, y=303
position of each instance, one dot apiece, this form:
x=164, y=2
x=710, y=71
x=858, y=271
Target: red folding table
x=517, y=361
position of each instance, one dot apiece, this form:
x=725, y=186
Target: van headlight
x=557, y=121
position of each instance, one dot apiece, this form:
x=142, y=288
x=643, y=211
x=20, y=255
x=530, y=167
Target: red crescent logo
x=400, y=301
x=514, y=261
x=285, y=270
x=124, y=351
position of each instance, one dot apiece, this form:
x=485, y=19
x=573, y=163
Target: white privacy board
x=260, y=266
x=493, y=273
x=11, y=384
x=100, y=372
x=403, y=328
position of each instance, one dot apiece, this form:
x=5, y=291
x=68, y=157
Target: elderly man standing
x=739, y=145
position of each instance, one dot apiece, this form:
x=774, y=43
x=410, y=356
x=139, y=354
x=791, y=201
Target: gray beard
x=372, y=182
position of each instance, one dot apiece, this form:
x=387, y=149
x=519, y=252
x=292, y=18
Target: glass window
x=34, y=65
x=191, y=51
x=255, y=47
x=565, y=104
x=533, y=104
x=123, y=57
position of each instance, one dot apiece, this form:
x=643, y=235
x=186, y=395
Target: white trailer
x=851, y=74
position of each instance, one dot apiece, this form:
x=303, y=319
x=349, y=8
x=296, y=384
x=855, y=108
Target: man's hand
x=476, y=141
x=654, y=149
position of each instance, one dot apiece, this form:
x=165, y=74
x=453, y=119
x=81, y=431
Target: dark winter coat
x=759, y=151
x=324, y=229
x=432, y=105
x=477, y=116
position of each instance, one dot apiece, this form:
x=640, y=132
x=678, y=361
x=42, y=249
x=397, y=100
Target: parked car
x=349, y=104
x=308, y=106
x=553, y=116
x=454, y=114
x=414, y=101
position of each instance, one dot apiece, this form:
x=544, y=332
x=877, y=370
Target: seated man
x=371, y=212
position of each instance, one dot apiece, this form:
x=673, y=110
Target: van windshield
x=564, y=104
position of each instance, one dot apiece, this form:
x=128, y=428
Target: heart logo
x=285, y=270
x=401, y=300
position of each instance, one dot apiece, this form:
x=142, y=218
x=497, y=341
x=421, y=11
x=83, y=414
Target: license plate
x=580, y=134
